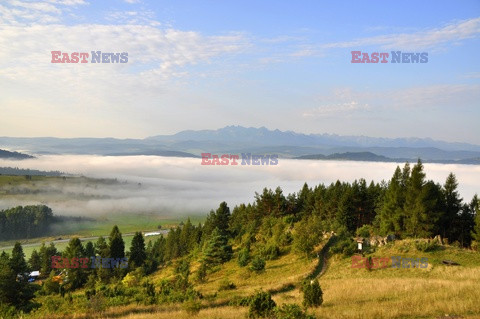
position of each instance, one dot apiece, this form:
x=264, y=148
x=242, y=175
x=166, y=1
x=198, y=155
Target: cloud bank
x=181, y=186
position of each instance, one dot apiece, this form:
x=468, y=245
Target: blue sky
x=208, y=64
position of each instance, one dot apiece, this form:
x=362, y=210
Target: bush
x=201, y=274
x=192, y=307
x=344, y=246
x=225, y=284
x=270, y=252
x=365, y=231
x=261, y=305
x=243, y=257
x=258, y=264
x=425, y=246
x=291, y=311
x=312, y=294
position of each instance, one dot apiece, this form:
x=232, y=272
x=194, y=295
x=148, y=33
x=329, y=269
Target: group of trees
x=415, y=207
x=15, y=291
x=25, y=222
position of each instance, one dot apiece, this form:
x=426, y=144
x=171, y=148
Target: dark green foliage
x=182, y=274
x=50, y=286
x=270, y=252
x=116, y=243
x=202, y=272
x=261, y=305
x=89, y=249
x=476, y=230
x=220, y=220
x=14, y=289
x=101, y=247
x=291, y=311
x=312, y=294
x=76, y=276
x=365, y=231
x=25, y=222
x=425, y=246
x=17, y=261
x=217, y=250
x=257, y=264
x=46, y=254
x=243, y=257
x=307, y=235
x=35, y=260
x=344, y=244
x=137, y=251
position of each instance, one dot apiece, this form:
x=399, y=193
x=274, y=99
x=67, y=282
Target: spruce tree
x=476, y=230
x=101, y=248
x=116, y=244
x=137, y=251
x=76, y=275
x=35, y=260
x=391, y=213
x=415, y=208
x=17, y=261
x=453, y=204
x=89, y=249
x=217, y=250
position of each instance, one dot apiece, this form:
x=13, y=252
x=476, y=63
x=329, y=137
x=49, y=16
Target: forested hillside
x=177, y=268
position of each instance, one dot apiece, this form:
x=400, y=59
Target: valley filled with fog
x=173, y=186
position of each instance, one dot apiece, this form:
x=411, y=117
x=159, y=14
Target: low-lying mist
x=181, y=186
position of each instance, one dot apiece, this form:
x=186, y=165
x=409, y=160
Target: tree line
x=25, y=222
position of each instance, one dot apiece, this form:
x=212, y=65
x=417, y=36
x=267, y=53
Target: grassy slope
x=352, y=293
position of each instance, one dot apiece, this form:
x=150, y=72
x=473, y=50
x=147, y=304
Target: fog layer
x=179, y=186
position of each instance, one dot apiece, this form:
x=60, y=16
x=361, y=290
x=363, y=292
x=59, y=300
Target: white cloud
x=433, y=38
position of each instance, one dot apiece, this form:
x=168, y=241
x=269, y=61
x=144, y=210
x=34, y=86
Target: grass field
x=434, y=292
x=101, y=226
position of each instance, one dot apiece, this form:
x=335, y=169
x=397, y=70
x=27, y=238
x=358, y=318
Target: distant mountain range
x=238, y=139
x=371, y=157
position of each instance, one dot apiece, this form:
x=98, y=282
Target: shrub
x=261, y=305
x=50, y=285
x=258, y=264
x=201, y=273
x=291, y=311
x=365, y=231
x=192, y=307
x=270, y=252
x=426, y=246
x=243, y=257
x=312, y=294
x=225, y=284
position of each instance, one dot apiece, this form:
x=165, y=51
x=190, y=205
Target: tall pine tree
x=137, y=251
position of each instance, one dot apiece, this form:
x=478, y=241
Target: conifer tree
x=217, y=250
x=137, y=251
x=116, y=243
